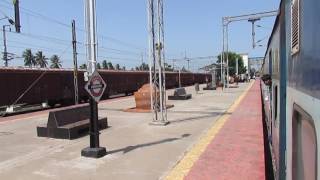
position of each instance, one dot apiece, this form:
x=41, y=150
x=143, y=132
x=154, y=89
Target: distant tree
x=41, y=60
x=98, y=66
x=55, y=62
x=104, y=64
x=123, y=68
x=132, y=69
x=110, y=66
x=29, y=59
x=143, y=67
x=83, y=66
x=117, y=66
x=232, y=63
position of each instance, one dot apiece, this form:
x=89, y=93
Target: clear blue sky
x=191, y=26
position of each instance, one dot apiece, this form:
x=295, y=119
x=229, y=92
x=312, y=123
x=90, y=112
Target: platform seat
x=210, y=86
x=180, y=94
x=69, y=123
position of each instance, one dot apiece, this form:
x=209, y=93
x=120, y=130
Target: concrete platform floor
x=137, y=151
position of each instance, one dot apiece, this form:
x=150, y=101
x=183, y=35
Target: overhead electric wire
x=30, y=46
x=36, y=14
x=42, y=38
x=49, y=49
x=193, y=58
x=4, y=14
x=108, y=58
x=55, y=40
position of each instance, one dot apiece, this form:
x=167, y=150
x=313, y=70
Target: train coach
x=291, y=90
x=55, y=86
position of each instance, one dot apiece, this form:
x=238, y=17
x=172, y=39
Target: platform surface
x=136, y=149
x=232, y=149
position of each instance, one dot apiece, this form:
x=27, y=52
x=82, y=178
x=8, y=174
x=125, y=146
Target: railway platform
x=233, y=148
x=215, y=135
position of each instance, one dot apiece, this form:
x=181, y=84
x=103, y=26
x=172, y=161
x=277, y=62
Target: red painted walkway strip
x=237, y=151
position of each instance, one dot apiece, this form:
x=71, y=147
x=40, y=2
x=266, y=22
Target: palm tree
x=29, y=59
x=41, y=60
x=104, y=64
x=110, y=66
x=117, y=66
x=55, y=62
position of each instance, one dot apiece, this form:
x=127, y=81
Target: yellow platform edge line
x=183, y=167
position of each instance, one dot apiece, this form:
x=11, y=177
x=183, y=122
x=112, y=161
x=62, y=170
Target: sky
x=191, y=27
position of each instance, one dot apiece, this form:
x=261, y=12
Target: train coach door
x=270, y=92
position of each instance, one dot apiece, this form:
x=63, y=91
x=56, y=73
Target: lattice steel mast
x=157, y=61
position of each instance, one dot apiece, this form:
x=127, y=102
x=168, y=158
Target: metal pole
x=179, y=78
x=161, y=31
x=75, y=63
x=152, y=61
x=151, y=51
x=94, y=150
x=173, y=65
x=92, y=30
x=253, y=20
x=222, y=56
x=227, y=39
x=5, y=53
x=160, y=47
x=237, y=66
x=253, y=36
x=188, y=60
x=157, y=58
x=93, y=58
x=141, y=58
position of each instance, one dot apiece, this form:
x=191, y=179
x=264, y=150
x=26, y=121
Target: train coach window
x=295, y=26
x=304, y=146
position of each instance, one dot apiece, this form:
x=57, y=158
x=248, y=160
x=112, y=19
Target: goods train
x=291, y=90
x=35, y=86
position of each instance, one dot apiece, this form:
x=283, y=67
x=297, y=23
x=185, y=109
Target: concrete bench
x=69, y=123
x=180, y=94
x=210, y=86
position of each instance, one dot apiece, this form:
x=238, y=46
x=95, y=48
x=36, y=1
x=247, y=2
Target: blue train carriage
x=271, y=92
x=291, y=90
x=274, y=69
x=303, y=89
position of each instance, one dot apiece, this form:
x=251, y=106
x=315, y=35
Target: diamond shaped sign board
x=96, y=86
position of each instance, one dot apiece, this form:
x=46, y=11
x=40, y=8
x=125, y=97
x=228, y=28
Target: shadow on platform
x=198, y=112
x=131, y=148
x=197, y=118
